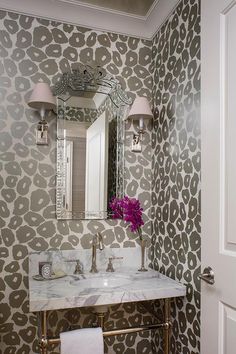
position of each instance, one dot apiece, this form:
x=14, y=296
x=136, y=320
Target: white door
x=218, y=308
x=96, y=165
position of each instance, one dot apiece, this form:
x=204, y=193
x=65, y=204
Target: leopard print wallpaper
x=176, y=241
x=166, y=70
x=31, y=50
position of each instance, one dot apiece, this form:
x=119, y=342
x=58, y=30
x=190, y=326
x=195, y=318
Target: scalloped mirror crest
x=91, y=77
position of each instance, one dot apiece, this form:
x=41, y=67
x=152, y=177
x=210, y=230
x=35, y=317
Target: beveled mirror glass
x=91, y=107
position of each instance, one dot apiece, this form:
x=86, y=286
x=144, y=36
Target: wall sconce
x=42, y=99
x=140, y=111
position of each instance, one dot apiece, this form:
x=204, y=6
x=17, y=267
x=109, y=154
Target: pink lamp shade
x=140, y=109
x=42, y=97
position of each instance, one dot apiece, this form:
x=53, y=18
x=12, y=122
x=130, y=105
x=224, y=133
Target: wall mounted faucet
x=97, y=242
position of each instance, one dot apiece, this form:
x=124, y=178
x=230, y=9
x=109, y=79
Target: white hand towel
x=82, y=341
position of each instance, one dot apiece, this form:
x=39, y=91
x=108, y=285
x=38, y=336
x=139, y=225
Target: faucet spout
x=97, y=241
x=100, y=241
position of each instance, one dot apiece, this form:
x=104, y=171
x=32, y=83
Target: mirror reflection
x=90, y=148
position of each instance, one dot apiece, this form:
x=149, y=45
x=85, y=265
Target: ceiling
x=134, y=7
x=136, y=18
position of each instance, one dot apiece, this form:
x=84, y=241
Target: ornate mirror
x=91, y=107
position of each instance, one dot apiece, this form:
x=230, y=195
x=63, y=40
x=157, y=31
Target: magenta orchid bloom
x=130, y=210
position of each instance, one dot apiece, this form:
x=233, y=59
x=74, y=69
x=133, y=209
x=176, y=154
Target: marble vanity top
x=126, y=284
x=70, y=292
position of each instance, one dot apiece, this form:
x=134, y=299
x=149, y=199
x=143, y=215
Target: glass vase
x=143, y=250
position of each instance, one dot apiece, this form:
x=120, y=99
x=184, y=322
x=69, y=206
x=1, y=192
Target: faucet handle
x=110, y=267
x=79, y=268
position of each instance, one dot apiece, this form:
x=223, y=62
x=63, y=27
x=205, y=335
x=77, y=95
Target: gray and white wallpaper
x=176, y=240
x=165, y=176
x=31, y=50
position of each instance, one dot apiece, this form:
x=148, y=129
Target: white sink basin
x=102, y=281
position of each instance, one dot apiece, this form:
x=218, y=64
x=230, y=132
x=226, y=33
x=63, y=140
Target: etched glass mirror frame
x=88, y=79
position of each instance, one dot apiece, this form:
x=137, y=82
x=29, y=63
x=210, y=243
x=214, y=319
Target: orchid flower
x=130, y=210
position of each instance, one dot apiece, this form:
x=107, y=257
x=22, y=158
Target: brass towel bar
x=45, y=342
x=115, y=332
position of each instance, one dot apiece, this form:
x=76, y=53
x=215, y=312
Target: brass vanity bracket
x=45, y=342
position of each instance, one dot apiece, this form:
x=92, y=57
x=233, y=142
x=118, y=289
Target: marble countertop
x=73, y=291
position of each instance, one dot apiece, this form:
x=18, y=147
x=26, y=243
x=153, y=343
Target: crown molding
x=159, y=15
x=99, y=8
x=94, y=17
